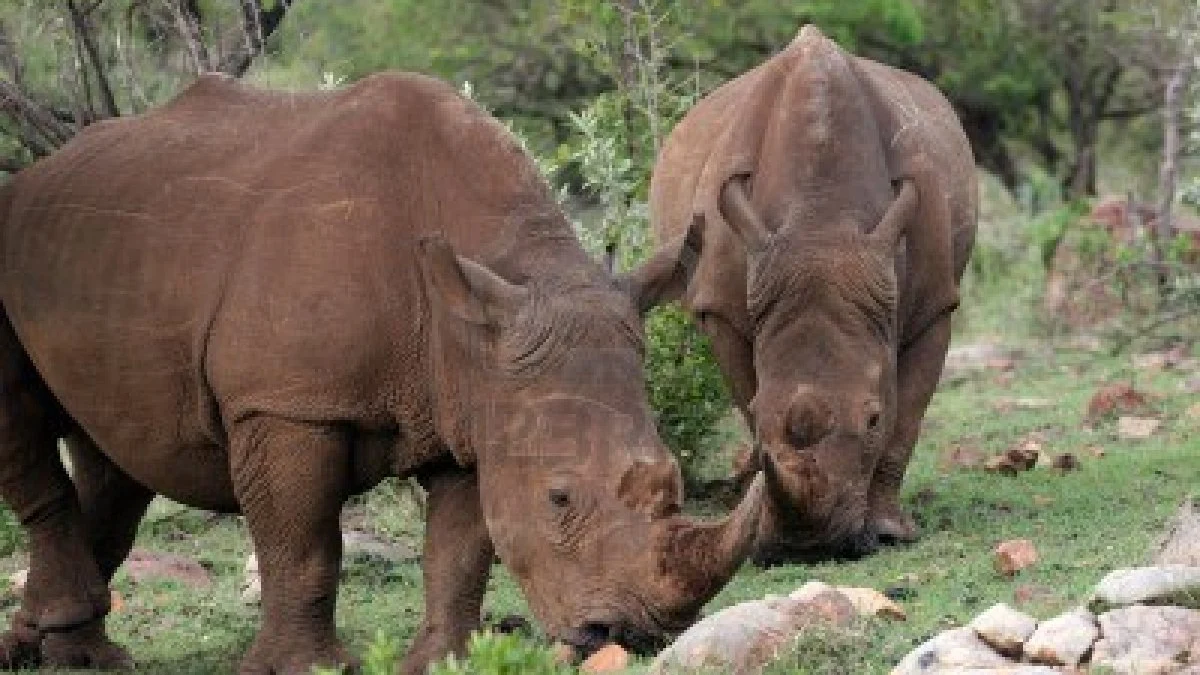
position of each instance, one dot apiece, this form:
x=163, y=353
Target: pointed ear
x=465, y=288
x=895, y=222
x=740, y=214
x=666, y=275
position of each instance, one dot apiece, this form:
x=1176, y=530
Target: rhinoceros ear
x=467, y=289
x=666, y=275
x=741, y=216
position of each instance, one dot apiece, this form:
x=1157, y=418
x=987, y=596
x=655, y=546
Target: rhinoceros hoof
x=84, y=647
x=20, y=646
x=276, y=657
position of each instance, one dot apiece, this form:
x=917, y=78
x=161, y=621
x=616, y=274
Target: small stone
x=870, y=602
x=116, y=602
x=251, y=582
x=1163, y=585
x=1137, y=428
x=1004, y=628
x=607, y=659
x=1180, y=542
x=954, y=650
x=17, y=580
x=1014, y=555
x=1063, y=640
x=1065, y=462
x=143, y=565
x=1149, y=640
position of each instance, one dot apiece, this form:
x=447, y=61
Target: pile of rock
x=1143, y=621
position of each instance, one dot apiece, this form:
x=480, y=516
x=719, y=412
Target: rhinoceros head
x=580, y=496
x=823, y=303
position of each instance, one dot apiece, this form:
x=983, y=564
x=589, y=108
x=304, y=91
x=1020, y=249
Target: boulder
x=607, y=659
x=1180, y=544
x=742, y=638
x=1145, y=640
x=1004, y=629
x=957, y=650
x=1063, y=640
x=1162, y=585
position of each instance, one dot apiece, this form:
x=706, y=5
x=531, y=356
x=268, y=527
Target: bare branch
x=187, y=23
x=20, y=107
x=257, y=25
x=86, y=40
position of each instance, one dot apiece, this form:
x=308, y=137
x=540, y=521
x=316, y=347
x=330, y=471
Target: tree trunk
x=1168, y=170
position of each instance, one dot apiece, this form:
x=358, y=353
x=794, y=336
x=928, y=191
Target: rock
x=965, y=360
x=17, y=581
x=962, y=456
x=1149, y=640
x=116, y=602
x=143, y=565
x=252, y=582
x=1004, y=629
x=955, y=650
x=1180, y=543
x=1021, y=457
x=1162, y=585
x=1065, y=462
x=1137, y=428
x=870, y=602
x=1063, y=640
x=369, y=546
x=1119, y=398
x=1014, y=555
x=607, y=659
x=745, y=636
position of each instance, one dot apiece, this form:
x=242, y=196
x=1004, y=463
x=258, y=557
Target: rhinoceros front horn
x=701, y=557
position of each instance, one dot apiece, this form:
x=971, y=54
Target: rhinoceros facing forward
x=837, y=200
x=265, y=303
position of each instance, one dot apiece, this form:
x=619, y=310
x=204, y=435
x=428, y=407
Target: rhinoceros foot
x=20, y=646
x=85, y=646
x=276, y=654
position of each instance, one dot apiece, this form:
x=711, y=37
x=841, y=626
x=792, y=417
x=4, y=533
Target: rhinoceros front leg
x=458, y=557
x=65, y=596
x=290, y=480
x=918, y=369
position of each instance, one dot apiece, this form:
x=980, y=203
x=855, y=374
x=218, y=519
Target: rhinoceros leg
x=290, y=480
x=64, y=590
x=112, y=504
x=918, y=368
x=458, y=558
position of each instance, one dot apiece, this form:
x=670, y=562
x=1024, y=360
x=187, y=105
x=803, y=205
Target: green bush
x=686, y=390
x=499, y=654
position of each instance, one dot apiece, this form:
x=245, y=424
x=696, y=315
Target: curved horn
x=890, y=228
x=741, y=216
x=701, y=557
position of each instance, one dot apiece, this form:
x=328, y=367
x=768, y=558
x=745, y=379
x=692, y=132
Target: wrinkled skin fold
x=837, y=200
x=383, y=287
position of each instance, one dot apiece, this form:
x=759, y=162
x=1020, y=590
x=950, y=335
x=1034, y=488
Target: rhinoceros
x=264, y=303
x=837, y=203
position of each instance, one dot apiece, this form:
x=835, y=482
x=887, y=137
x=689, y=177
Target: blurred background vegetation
x=1064, y=102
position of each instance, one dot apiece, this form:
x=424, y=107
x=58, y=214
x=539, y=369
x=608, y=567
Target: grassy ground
x=1084, y=523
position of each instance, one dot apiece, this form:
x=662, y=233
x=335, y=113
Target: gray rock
x=1180, y=544
x=1063, y=640
x=1163, y=585
x=955, y=650
x=743, y=638
x=1141, y=640
x=1004, y=629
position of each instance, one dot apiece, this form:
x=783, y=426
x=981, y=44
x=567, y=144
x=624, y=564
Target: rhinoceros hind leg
x=458, y=558
x=917, y=370
x=85, y=646
x=290, y=479
x=64, y=589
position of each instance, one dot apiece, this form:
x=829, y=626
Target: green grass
x=1084, y=523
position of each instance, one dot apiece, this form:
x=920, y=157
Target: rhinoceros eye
x=559, y=498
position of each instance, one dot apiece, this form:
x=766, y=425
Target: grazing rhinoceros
x=838, y=203
x=264, y=303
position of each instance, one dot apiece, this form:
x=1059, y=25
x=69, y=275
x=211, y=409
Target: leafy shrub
x=499, y=654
